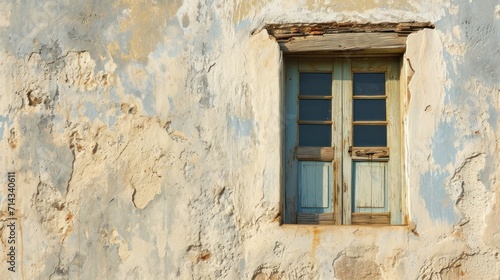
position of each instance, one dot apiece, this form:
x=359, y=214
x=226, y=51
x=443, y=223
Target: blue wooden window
x=334, y=107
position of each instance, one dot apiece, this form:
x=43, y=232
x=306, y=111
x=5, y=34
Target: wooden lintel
x=315, y=153
x=290, y=30
x=369, y=152
x=345, y=42
x=335, y=38
x=370, y=218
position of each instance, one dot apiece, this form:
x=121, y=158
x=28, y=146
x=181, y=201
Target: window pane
x=315, y=135
x=370, y=136
x=369, y=110
x=315, y=84
x=315, y=110
x=369, y=83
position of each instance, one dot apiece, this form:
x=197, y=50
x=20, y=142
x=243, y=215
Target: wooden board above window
x=342, y=42
x=341, y=38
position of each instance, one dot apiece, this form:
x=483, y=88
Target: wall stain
x=316, y=240
x=145, y=21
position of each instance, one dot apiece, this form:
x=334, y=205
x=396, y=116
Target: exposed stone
x=356, y=268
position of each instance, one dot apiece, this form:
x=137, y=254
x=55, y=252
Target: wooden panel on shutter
x=315, y=218
x=314, y=184
x=290, y=122
x=370, y=218
x=369, y=153
x=315, y=153
x=315, y=65
x=370, y=184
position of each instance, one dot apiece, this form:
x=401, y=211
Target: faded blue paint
x=123, y=39
x=488, y=169
x=111, y=121
x=476, y=65
x=240, y=127
x=243, y=25
x=89, y=110
x=113, y=97
x=242, y=266
x=142, y=90
x=172, y=52
x=493, y=114
x=178, y=42
x=443, y=143
x=148, y=103
x=50, y=162
x=157, y=54
x=57, y=21
x=171, y=105
x=114, y=101
x=476, y=32
x=74, y=113
x=437, y=202
x=213, y=38
x=4, y=123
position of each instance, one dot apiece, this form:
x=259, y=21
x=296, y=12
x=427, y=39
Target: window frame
x=342, y=185
x=346, y=40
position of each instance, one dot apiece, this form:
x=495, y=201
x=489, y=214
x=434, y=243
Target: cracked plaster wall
x=145, y=136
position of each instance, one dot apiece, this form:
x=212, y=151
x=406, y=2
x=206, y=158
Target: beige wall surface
x=144, y=138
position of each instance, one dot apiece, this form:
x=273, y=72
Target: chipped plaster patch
x=123, y=250
x=356, y=268
x=145, y=159
x=457, y=33
x=453, y=9
x=5, y=13
x=425, y=55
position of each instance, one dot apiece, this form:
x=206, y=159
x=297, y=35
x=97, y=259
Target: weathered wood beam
x=368, y=153
x=289, y=30
x=342, y=42
x=315, y=153
x=315, y=218
x=370, y=218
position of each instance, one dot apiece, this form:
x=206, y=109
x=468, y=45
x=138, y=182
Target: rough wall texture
x=145, y=137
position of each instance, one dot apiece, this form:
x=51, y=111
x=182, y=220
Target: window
x=343, y=153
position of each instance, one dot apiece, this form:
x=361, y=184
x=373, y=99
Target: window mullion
x=337, y=140
x=346, y=93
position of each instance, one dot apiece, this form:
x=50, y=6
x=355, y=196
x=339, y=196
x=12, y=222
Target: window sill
x=345, y=227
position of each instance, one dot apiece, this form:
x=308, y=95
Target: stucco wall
x=145, y=141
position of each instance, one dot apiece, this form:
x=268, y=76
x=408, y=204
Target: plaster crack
x=465, y=162
x=121, y=152
x=72, y=171
x=210, y=67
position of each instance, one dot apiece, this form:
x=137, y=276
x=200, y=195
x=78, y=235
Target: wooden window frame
x=343, y=42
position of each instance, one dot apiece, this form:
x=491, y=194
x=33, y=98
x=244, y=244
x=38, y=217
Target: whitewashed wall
x=145, y=141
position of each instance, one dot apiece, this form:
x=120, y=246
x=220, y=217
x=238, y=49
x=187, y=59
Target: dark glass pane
x=315, y=84
x=370, y=136
x=369, y=110
x=369, y=83
x=315, y=110
x=315, y=135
